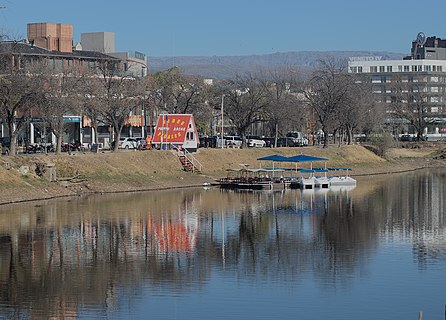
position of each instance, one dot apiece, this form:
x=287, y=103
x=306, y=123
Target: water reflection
x=80, y=257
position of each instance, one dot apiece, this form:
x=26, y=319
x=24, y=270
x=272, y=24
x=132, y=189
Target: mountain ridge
x=223, y=67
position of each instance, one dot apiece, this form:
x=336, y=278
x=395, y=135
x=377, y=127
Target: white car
x=255, y=142
x=233, y=141
x=127, y=143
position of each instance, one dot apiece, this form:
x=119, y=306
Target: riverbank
x=85, y=173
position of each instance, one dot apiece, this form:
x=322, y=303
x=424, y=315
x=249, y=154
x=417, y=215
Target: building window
x=389, y=68
x=420, y=68
x=439, y=68
x=353, y=69
x=414, y=68
x=406, y=68
x=400, y=68
x=427, y=68
x=359, y=69
x=373, y=69
x=381, y=68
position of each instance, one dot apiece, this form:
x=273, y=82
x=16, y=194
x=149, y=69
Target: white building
x=424, y=71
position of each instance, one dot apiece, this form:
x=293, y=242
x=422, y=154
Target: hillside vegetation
x=81, y=173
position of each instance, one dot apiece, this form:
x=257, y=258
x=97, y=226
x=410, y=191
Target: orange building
x=51, y=36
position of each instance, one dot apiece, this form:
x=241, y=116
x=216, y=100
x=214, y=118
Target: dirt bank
x=83, y=173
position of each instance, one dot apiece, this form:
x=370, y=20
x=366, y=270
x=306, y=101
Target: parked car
x=407, y=137
x=127, y=143
x=255, y=142
x=208, y=142
x=299, y=138
x=269, y=141
x=233, y=141
x=140, y=142
x=286, y=142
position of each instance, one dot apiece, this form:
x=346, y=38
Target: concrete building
x=134, y=62
x=423, y=72
x=103, y=42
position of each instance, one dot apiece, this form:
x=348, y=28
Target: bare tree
x=246, y=99
x=179, y=93
x=285, y=109
x=328, y=90
x=119, y=96
x=359, y=108
x=61, y=91
x=409, y=101
x=18, y=95
x=91, y=102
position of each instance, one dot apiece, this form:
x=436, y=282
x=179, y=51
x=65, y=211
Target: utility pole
x=222, y=103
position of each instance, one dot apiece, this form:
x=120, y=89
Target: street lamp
x=222, y=103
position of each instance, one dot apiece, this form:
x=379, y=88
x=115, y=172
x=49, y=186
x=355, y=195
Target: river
x=377, y=251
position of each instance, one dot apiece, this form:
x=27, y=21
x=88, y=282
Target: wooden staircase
x=188, y=161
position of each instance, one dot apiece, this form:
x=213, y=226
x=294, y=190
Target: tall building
x=51, y=36
x=423, y=74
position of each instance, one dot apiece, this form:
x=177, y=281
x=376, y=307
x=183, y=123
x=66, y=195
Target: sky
x=237, y=27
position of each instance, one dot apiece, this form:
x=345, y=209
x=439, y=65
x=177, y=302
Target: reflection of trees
x=60, y=256
x=345, y=236
x=416, y=211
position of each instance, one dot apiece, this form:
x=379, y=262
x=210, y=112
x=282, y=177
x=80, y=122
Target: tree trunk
x=243, y=136
x=349, y=135
x=276, y=135
x=325, y=138
x=12, y=140
x=59, y=141
x=117, y=131
x=94, y=131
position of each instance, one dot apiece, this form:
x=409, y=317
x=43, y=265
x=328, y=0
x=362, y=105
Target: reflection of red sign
x=443, y=129
x=178, y=235
x=172, y=128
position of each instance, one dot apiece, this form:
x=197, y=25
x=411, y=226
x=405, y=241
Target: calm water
x=375, y=252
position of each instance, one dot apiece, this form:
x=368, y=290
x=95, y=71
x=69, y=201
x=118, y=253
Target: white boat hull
x=342, y=181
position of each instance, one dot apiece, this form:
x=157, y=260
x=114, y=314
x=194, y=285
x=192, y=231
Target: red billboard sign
x=171, y=128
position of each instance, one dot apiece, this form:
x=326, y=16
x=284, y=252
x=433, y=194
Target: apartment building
x=423, y=72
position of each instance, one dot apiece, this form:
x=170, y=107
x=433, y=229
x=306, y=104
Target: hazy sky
x=237, y=27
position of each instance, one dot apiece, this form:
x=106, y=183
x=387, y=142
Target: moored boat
x=341, y=179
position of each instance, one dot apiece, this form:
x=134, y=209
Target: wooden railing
x=195, y=165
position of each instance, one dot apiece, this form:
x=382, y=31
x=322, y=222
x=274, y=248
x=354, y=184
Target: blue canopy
x=274, y=157
x=305, y=158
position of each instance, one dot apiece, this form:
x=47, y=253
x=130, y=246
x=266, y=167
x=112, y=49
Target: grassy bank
x=153, y=170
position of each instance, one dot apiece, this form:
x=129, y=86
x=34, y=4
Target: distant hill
x=223, y=67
